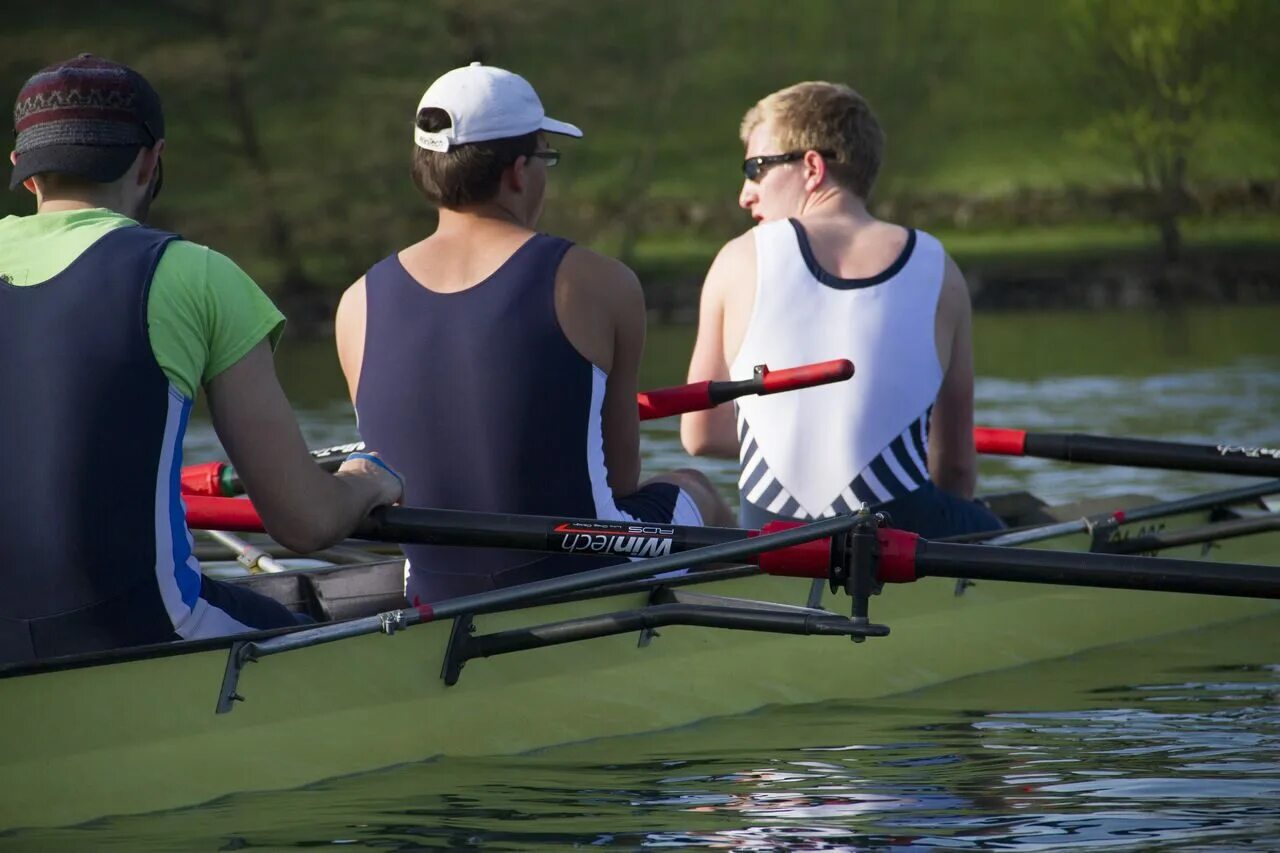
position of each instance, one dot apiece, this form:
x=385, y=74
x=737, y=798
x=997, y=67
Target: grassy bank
x=681, y=258
x=298, y=112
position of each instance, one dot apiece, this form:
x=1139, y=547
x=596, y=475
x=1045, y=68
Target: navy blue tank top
x=93, y=542
x=83, y=400
x=482, y=403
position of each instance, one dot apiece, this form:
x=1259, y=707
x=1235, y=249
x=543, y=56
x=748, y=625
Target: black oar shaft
x=1148, y=453
x=989, y=562
x=588, y=537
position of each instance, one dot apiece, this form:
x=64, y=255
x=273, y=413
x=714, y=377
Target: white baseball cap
x=484, y=103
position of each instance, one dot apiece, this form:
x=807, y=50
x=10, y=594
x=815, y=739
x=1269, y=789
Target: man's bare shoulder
x=954, y=299
x=353, y=297
x=736, y=259
x=585, y=272
x=739, y=250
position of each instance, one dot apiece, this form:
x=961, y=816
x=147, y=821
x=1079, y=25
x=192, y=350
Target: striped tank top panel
x=481, y=402
x=820, y=451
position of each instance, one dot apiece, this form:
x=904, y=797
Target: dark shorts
x=929, y=511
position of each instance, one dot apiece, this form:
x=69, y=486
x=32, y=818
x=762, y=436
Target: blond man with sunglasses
x=819, y=278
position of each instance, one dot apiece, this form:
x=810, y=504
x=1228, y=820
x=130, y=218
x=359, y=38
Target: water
x=1171, y=743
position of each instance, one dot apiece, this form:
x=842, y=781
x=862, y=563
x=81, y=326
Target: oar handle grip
x=1001, y=442
x=215, y=513
x=665, y=402
x=698, y=396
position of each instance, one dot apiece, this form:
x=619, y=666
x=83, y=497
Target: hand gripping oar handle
x=698, y=396
x=219, y=479
x=1134, y=452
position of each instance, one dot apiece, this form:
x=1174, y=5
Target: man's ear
x=29, y=183
x=150, y=162
x=517, y=174
x=815, y=170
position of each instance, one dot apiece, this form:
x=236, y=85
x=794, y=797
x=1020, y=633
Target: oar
x=218, y=478
x=1150, y=512
x=582, y=536
x=1133, y=452
x=905, y=557
x=788, y=538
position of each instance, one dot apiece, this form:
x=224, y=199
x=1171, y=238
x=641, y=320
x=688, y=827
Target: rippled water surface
x=1170, y=743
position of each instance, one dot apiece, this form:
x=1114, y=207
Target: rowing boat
x=109, y=733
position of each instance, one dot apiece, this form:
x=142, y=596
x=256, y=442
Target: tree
x=1154, y=69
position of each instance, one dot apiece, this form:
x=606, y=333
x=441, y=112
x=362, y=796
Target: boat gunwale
x=154, y=651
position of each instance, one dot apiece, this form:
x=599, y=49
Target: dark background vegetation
x=1067, y=152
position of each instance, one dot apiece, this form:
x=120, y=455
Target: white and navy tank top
x=821, y=451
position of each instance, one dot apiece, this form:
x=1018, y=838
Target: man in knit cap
x=107, y=330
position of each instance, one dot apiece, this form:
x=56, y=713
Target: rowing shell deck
x=110, y=735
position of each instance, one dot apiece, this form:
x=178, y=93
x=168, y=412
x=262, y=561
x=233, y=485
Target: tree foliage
x=1154, y=70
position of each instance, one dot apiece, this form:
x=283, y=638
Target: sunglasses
x=551, y=155
x=755, y=167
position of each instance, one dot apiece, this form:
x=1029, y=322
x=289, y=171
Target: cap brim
x=550, y=125
x=100, y=164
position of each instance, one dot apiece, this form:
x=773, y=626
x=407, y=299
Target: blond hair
x=817, y=116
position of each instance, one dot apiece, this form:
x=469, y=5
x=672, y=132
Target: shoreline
x=1130, y=279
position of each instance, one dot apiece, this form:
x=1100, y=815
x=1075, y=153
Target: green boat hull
x=142, y=735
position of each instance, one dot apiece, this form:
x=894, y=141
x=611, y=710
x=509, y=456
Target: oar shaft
x=1163, y=509
x=1133, y=452
x=986, y=562
x=587, y=537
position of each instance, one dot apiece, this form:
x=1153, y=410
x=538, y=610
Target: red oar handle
x=1003, y=442
x=203, y=479
x=665, y=402
x=209, y=513
x=697, y=396
x=805, y=376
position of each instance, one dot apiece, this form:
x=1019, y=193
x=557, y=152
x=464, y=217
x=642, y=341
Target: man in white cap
x=495, y=366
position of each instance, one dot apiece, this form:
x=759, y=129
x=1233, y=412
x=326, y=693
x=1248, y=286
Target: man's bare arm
x=713, y=432
x=953, y=462
x=600, y=306
x=349, y=332
x=303, y=507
